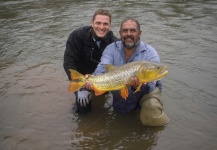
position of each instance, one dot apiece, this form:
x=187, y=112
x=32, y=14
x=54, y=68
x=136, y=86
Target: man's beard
x=130, y=46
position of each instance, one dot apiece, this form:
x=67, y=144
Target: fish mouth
x=162, y=72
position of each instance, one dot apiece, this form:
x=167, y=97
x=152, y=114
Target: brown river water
x=35, y=106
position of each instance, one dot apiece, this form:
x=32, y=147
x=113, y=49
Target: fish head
x=150, y=71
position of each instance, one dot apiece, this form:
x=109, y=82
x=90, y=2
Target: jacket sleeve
x=72, y=52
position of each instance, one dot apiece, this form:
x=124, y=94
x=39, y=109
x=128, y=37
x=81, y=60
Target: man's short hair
x=132, y=19
x=102, y=12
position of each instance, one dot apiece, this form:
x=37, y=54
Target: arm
x=107, y=58
x=153, y=56
x=72, y=52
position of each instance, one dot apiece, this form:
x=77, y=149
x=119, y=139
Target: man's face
x=101, y=25
x=130, y=34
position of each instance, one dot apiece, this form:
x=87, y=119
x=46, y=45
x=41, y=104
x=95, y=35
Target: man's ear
x=140, y=32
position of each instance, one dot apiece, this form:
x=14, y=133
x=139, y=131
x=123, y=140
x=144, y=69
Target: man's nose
x=101, y=25
x=128, y=32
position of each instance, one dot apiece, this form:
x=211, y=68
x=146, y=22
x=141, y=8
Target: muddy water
x=35, y=107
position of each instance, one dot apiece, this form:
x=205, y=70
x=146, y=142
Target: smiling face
x=101, y=25
x=130, y=34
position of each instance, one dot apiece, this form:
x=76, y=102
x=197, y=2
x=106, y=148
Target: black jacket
x=82, y=53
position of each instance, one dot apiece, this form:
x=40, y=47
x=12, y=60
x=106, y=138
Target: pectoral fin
x=138, y=88
x=109, y=67
x=124, y=93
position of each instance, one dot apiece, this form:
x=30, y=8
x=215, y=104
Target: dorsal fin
x=109, y=67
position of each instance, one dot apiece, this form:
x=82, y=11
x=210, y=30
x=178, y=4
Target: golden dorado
x=117, y=77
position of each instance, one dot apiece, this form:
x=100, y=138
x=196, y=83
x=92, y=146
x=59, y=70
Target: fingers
x=133, y=82
x=88, y=75
x=88, y=85
x=84, y=102
x=83, y=98
x=81, y=102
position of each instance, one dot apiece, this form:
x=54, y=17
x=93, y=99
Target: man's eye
x=132, y=30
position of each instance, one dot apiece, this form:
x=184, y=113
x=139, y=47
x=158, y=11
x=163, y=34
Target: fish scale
x=117, y=78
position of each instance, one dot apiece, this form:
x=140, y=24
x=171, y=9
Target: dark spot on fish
x=76, y=80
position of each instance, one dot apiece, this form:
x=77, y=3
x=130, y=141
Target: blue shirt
x=114, y=54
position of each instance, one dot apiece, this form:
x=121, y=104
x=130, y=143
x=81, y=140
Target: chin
x=101, y=36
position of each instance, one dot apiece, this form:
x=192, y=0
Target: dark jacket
x=82, y=53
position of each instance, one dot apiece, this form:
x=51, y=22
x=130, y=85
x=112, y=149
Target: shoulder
x=112, y=37
x=145, y=46
x=82, y=29
x=81, y=32
x=149, y=52
x=116, y=44
x=113, y=47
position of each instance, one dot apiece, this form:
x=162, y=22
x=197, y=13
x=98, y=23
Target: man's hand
x=83, y=97
x=134, y=82
x=88, y=85
x=88, y=75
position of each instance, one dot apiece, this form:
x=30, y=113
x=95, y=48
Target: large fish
x=116, y=77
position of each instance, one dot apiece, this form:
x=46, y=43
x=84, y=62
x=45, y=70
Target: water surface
x=35, y=107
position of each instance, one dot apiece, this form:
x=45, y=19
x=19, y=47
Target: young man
x=130, y=49
x=84, y=49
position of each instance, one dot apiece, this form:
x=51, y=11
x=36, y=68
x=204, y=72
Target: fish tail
x=77, y=81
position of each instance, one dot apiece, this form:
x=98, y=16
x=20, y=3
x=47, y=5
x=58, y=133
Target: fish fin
x=77, y=81
x=124, y=93
x=138, y=88
x=109, y=67
x=73, y=86
x=98, y=92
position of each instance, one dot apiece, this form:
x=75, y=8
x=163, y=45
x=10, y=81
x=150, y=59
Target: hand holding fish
x=134, y=83
x=88, y=75
x=88, y=85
